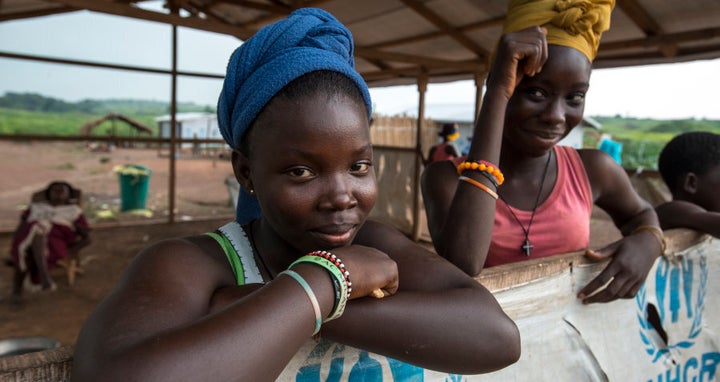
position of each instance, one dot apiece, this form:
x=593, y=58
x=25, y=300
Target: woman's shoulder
x=595, y=157
x=380, y=235
x=439, y=171
x=598, y=162
x=198, y=255
x=390, y=240
x=374, y=229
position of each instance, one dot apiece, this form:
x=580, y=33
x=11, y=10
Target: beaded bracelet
x=655, y=231
x=482, y=166
x=310, y=294
x=341, y=282
x=479, y=185
x=490, y=178
x=338, y=263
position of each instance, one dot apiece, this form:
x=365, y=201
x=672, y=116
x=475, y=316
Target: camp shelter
x=422, y=42
x=201, y=126
x=398, y=41
x=136, y=126
x=134, y=129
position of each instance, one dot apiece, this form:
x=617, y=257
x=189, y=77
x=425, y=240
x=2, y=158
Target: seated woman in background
x=243, y=303
x=690, y=166
x=49, y=231
x=535, y=96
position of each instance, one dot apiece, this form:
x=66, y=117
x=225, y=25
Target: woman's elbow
x=471, y=266
x=512, y=339
x=508, y=346
x=496, y=348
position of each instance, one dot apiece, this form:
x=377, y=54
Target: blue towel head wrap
x=309, y=39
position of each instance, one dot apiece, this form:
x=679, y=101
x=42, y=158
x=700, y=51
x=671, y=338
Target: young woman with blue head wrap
x=543, y=201
x=301, y=260
x=307, y=41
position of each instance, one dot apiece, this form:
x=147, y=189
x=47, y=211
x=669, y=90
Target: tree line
x=39, y=103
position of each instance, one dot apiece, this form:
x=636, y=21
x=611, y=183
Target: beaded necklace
x=527, y=247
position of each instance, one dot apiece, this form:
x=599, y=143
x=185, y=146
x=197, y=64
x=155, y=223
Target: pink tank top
x=561, y=223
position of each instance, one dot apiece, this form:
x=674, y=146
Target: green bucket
x=134, y=184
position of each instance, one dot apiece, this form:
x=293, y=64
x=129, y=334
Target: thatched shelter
x=88, y=127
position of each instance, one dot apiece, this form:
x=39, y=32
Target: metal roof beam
x=125, y=10
x=439, y=22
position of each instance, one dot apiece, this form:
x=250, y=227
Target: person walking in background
x=541, y=194
x=446, y=149
x=690, y=166
x=267, y=297
x=611, y=147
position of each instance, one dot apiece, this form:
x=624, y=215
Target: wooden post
x=173, y=122
x=479, y=83
x=422, y=88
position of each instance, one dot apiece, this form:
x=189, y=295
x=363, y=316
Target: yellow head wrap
x=574, y=23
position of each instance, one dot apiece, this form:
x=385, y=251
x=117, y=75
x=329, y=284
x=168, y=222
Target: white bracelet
x=310, y=294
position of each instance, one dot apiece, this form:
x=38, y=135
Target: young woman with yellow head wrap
x=542, y=194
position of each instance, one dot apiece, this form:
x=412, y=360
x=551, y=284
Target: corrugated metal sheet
x=446, y=40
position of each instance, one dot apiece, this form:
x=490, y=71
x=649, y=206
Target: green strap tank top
x=237, y=248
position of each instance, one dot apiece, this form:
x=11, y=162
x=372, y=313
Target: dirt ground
x=203, y=204
x=27, y=167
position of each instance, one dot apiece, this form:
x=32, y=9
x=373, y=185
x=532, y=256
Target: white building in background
x=192, y=125
x=575, y=138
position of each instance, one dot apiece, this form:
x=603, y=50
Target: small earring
x=251, y=191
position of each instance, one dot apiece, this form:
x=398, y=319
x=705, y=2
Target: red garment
x=60, y=230
x=440, y=152
x=561, y=223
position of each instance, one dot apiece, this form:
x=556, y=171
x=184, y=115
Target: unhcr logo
x=671, y=319
x=331, y=361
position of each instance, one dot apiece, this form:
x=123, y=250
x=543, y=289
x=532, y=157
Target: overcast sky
x=671, y=91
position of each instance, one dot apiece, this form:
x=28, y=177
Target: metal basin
x=23, y=345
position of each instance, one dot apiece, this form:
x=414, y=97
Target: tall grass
x=643, y=139
x=13, y=121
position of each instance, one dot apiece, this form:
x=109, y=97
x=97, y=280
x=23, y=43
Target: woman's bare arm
x=460, y=215
x=440, y=318
x=156, y=325
x=634, y=255
x=682, y=214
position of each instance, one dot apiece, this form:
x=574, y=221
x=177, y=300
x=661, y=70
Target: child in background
x=690, y=166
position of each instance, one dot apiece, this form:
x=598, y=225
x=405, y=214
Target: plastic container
x=134, y=184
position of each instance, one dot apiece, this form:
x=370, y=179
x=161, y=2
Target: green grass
x=13, y=121
x=30, y=113
x=643, y=139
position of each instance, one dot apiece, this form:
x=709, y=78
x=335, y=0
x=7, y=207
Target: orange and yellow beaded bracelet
x=482, y=166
